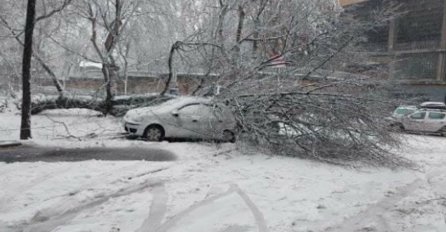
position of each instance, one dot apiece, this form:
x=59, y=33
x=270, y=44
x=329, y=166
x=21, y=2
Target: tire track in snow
x=64, y=206
x=51, y=218
x=11, y=192
x=374, y=213
x=158, y=209
x=54, y=174
x=259, y=218
x=168, y=224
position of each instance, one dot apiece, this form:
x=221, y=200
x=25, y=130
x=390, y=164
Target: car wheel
x=229, y=136
x=443, y=131
x=154, y=133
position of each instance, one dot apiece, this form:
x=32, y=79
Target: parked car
x=402, y=111
x=394, y=121
x=425, y=120
x=183, y=117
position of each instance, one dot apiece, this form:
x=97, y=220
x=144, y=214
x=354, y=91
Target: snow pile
x=78, y=124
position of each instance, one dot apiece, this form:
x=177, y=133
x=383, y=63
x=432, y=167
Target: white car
x=183, y=117
x=394, y=121
x=425, y=120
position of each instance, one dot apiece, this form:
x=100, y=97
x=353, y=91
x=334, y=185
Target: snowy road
x=210, y=187
x=213, y=188
x=58, y=154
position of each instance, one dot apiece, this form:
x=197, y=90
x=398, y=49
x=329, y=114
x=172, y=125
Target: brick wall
x=136, y=84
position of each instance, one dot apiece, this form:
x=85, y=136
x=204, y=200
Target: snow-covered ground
x=211, y=187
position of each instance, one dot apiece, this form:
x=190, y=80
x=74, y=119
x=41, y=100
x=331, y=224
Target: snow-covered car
x=425, y=120
x=394, y=121
x=403, y=111
x=183, y=117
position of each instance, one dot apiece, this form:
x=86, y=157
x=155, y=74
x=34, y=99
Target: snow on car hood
x=163, y=108
x=135, y=114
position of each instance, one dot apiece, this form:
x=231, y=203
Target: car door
x=192, y=120
x=415, y=121
x=214, y=120
x=435, y=121
x=217, y=120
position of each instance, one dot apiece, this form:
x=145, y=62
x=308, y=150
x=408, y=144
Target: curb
x=9, y=144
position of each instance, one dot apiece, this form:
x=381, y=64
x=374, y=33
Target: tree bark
x=109, y=68
x=238, y=34
x=120, y=106
x=25, y=129
x=221, y=19
x=174, y=47
x=241, y=21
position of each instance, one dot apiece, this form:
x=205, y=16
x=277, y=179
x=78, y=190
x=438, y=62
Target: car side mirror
x=175, y=113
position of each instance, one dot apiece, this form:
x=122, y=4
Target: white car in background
x=183, y=117
x=394, y=121
x=426, y=121
x=401, y=112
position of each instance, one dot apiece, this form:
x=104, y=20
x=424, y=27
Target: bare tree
x=25, y=129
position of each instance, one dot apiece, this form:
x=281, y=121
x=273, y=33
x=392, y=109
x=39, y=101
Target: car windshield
x=404, y=111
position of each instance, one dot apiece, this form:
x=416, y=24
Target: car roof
x=180, y=101
x=407, y=107
x=433, y=103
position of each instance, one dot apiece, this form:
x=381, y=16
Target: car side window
x=190, y=109
x=418, y=115
x=194, y=109
x=436, y=116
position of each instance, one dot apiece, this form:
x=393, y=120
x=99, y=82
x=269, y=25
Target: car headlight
x=137, y=119
x=133, y=118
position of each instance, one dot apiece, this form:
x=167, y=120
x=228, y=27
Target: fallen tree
x=265, y=69
x=120, y=105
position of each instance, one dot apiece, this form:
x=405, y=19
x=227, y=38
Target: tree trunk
x=255, y=43
x=221, y=19
x=174, y=47
x=126, y=67
x=238, y=34
x=109, y=68
x=241, y=21
x=25, y=129
x=110, y=73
